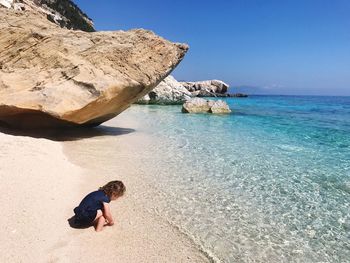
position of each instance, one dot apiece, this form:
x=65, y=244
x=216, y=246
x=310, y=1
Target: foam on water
x=268, y=183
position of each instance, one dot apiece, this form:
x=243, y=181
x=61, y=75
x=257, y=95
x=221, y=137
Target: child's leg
x=99, y=221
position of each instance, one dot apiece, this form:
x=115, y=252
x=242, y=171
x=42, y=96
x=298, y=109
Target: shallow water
x=268, y=183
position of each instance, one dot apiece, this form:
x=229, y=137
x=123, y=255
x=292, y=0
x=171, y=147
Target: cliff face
x=71, y=15
x=64, y=13
x=50, y=76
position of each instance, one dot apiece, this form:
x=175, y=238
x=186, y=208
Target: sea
x=269, y=182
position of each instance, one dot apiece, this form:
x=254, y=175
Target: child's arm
x=107, y=214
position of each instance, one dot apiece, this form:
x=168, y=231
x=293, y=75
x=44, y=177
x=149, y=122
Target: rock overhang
x=76, y=77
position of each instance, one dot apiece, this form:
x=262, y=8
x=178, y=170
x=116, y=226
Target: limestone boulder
x=196, y=105
x=168, y=92
x=52, y=77
x=207, y=88
x=219, y=107
x=199, y=105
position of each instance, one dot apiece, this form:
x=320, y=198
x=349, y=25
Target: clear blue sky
x=281, y=46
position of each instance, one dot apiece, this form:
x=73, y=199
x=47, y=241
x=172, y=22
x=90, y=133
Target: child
x=94, y=208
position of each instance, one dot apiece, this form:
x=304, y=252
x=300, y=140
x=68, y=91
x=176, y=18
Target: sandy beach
x=43, y=179
x=228, y=123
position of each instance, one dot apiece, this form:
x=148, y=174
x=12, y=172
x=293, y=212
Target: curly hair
x=113, y=188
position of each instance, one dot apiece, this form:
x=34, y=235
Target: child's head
x=113, y=189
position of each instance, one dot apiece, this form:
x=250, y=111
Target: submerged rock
x=52, y=77
x=199, y=105
x=207, y=88
x=169, y=91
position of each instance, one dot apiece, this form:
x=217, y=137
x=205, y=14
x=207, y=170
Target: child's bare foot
x=100, y=223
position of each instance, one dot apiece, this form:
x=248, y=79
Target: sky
x=288, y=47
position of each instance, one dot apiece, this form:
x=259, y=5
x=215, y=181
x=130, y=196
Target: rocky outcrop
x=66, y=14
x=168, y=92
x=199, y=105
x=171, y=91
x=208, y=88
x=6, y=3
x=61, y=12
x=51, y=76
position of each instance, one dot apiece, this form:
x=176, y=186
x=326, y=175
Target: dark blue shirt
x=92, y=202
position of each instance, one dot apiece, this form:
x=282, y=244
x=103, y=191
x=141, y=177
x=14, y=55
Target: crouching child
x=94, y=208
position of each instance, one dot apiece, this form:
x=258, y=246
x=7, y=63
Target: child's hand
x=110, y=223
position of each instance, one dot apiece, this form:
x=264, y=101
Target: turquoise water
x=268, y=183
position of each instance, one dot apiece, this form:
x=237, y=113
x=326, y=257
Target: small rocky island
x=170, y=91
x=207, y=88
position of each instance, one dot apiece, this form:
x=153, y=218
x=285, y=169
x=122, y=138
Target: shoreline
x=41, y=186
x=43, y=180
x=145, y=233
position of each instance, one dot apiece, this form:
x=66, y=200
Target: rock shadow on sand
x=67, y=134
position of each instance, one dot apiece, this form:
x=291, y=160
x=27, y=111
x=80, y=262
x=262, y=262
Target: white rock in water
x=219, y=107
x=207, y=88
x=6, y=3
x=198, y=105
x=169, y=91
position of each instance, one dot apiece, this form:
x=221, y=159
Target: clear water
x=268, y=183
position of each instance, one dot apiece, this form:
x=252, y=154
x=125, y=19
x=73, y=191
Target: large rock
x=207, y=88
x=169, y=91
x=51, y=76
x=219, y=107
x=199, y=105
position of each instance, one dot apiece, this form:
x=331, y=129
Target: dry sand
x=39, y=188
